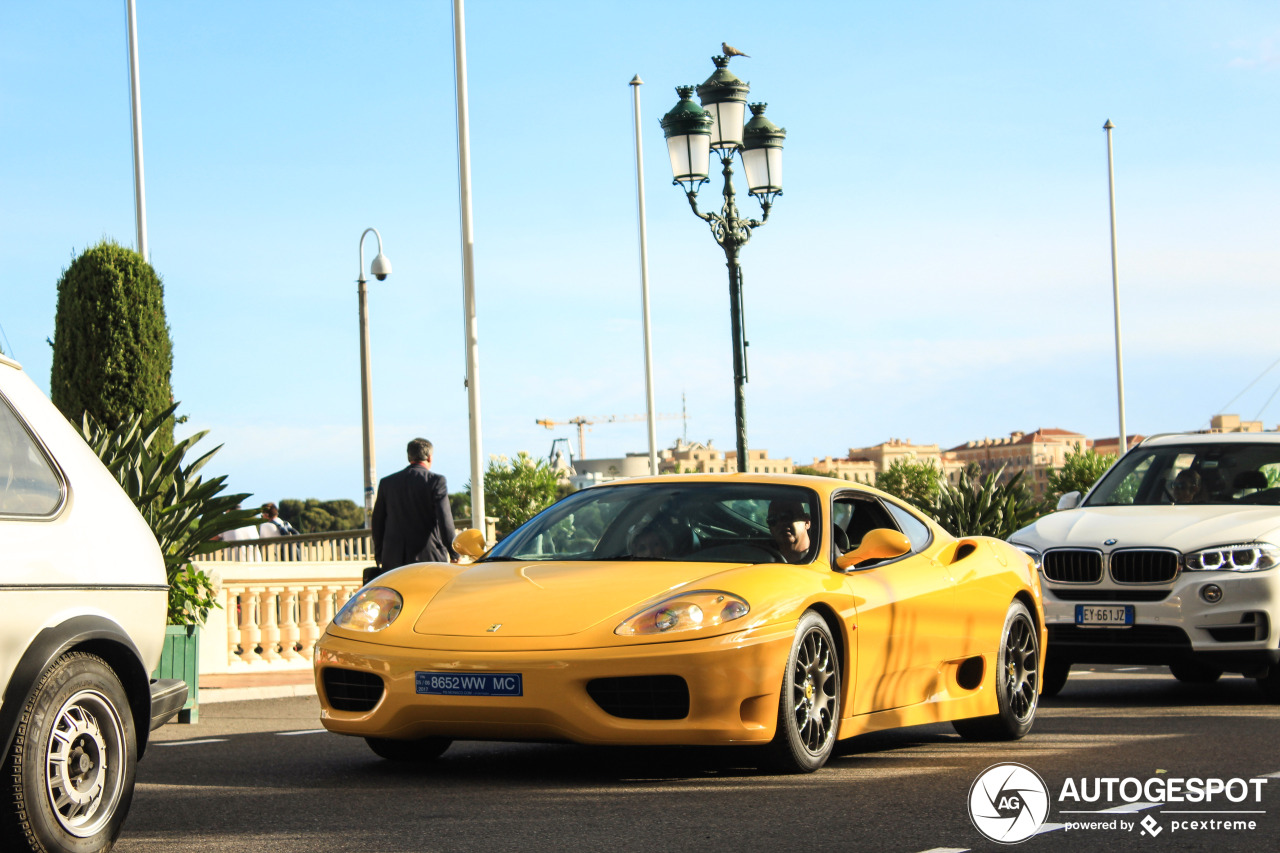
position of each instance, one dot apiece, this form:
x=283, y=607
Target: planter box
x=180, y=658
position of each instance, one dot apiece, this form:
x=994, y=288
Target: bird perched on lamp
x=730, y=50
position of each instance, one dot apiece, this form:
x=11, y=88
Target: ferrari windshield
x=693, y=521
x=1226, y=473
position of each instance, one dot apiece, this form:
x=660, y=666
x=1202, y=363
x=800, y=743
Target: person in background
x=412, y=521
x=272, y=524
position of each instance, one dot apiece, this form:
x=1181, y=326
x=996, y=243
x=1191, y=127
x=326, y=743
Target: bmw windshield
x=1227, y=473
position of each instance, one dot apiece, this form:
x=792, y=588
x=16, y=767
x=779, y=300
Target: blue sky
x=938, y=268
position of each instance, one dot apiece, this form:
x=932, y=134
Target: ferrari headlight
x=1248, y=557
x=371, y=609
x=690, y=611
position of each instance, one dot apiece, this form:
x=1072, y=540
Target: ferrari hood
x=550, y=599
x=1185, y=528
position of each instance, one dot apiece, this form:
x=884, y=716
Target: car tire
x=809, y=707
x=69, y=775
x=1194, y=672
x=1017, y=677
x=1055, y=677
x=424, y=749
x=1269, y=684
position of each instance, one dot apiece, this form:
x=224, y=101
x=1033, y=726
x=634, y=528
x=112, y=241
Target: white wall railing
x=277, y=595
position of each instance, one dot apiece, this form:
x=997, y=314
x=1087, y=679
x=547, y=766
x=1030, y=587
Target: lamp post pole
x=380, y=268
x=135, y=101
x=1123, y=444
x=691, y=133
x=636, y=83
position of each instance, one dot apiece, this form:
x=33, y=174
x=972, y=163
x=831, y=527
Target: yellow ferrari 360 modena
x=777, y=611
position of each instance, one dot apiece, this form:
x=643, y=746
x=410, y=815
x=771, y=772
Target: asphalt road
x=258, y=776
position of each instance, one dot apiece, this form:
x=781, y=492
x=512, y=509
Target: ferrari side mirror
x=879, y=544
x=470, y=543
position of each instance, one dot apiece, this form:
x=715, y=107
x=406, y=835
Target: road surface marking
x=189, y=742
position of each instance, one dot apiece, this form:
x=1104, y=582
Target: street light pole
x=691, y=133
x=636, y=83
x=380, y=268
x=1123, y=443
x=135, y=101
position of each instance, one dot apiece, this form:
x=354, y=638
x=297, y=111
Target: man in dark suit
x=412, y=521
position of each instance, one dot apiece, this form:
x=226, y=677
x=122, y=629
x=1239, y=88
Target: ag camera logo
x=1008, y=803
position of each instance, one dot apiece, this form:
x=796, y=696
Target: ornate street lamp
x=692, y=132
x=380, y=269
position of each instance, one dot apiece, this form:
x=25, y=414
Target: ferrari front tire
x=809, y=707
x=1017, y=682
x=68, y=778
x=425, y=749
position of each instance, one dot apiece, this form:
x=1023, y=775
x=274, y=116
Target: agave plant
x=985, y=508
x=184, y=510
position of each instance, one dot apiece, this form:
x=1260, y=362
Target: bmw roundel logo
x=1109, y=542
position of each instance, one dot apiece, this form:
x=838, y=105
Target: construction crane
x=582, y=422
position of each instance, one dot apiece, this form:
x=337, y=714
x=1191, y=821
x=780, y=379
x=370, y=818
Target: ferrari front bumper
x=733, y=680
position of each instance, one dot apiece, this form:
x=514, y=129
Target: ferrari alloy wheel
x=1194, y=672
x=70, y=772
x=425, y=749
x=809, y=708
x=1017, y=682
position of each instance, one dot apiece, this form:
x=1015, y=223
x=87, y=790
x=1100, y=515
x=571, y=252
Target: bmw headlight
x=1030, y=552
x=1247, y=557
x=371, y=609
x=690, y=611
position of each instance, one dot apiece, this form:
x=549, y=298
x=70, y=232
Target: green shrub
x=913, y=481
x=515, y=490
x=984, y=508
x=316, y=516
x=112, y=356
x=1080, y=470
x=183, y=510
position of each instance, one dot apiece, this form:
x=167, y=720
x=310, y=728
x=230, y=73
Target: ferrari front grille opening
x=1069, y=565
x=1144, y=566
x=642, y=697
x=352, y=689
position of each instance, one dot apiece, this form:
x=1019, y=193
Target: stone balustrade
x=277, y=595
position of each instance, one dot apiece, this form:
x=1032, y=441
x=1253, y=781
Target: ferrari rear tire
x=1194, y=672
x=68, y=778
x=425, y=749
x=809, y=707
x=1017, y=682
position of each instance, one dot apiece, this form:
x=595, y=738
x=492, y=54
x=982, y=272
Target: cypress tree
x=112, y=355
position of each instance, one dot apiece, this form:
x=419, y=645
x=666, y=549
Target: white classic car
x=1170, y=559
x=83, y=591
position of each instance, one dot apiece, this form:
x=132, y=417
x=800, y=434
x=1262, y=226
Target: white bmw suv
x=83, y=592
x=1170, y=559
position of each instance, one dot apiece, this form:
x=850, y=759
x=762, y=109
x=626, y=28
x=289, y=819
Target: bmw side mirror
x=1070, y=500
